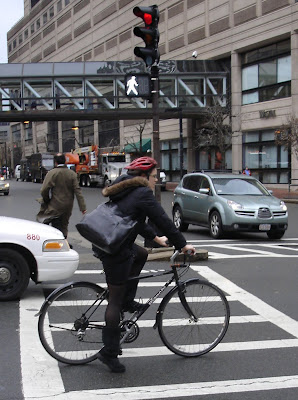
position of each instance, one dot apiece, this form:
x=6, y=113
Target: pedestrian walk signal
x=138, y=85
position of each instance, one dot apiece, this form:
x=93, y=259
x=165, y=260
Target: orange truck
x=93, y=168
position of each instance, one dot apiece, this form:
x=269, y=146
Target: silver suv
x=228, y=203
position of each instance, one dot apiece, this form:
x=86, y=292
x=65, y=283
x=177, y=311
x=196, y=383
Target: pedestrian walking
x=58, y=191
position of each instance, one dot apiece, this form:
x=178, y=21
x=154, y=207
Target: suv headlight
x=234, y=206
x=55, y=245
x=283, y=205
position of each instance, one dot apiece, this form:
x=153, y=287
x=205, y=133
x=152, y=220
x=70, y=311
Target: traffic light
x=149, y=33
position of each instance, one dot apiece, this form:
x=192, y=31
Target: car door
x=189, y=197
x=204, y=199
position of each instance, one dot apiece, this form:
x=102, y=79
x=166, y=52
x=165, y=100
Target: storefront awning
x=135, y=147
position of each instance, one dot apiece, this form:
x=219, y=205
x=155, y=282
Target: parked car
x=4, y=186
x=17, y=172
x=32, y=250
x=228, y=203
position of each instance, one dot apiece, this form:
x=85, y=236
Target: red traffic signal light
x=149, y=33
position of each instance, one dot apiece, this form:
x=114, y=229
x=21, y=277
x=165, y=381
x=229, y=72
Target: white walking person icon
x=131, y=86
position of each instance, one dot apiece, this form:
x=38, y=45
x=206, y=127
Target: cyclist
x=134, y=195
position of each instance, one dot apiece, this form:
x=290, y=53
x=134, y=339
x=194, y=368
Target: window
x=26, y=34
x=14, y=43
x=66, y=2
x=9, y=48
x=268, y=75
x=20, y=38
x=45, y=18
x=37, y=24
x=32, y=28
x=51, y=12
x=59, y=6
x=267, y=161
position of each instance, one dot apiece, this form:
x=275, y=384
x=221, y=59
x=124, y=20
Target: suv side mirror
x=204, y=191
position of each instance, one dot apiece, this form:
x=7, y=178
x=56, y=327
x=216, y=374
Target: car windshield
x=234, y=186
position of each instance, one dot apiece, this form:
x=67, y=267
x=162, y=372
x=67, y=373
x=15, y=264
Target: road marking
x=41, y=375
x=184, y=389
x=269, y=313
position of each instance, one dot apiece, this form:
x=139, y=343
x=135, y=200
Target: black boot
x=109, y=353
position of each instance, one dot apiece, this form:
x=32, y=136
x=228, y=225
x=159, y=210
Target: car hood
x=254, y=201
x=16, y=227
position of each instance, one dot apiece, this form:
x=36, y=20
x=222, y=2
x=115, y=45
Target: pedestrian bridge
x=96, y=90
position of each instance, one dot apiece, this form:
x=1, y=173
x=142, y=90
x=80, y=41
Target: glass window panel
x=38, y=24
x=267, y=135
x=165, y=146
x=267, y=73
x=51, y=12
x=250, y=77
x=267, y=51
x=175, y=160
x=45, y=18
x=268, y=156
x=251, y=156
x=59, y=5
x=203, y=163
x=284, y=158
x=26, y=34
x=284, y=69
x=20, y=39
x=174, y=144
x=165, y=161
x=251, y=137
x=283, y=47
x=249, y=98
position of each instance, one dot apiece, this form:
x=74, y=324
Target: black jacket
x=135, y=198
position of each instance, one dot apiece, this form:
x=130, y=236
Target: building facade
x=257, y=38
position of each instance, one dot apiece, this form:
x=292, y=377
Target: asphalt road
x=257, y=359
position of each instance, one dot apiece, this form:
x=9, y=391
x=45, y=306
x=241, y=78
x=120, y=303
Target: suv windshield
x=234, y=186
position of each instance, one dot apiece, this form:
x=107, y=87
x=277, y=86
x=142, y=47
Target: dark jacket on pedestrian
x=58, y=191
x=135, y=198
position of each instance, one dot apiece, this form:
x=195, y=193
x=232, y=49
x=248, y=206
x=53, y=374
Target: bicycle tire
x=183, y=335
x=65, y=327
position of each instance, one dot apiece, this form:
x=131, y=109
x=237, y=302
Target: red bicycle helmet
x=142, y=164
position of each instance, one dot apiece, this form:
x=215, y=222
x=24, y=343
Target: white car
x=32, y=250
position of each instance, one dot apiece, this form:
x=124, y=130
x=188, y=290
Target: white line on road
x=184, y=389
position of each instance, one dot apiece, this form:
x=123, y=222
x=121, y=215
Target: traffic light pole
x=155, y=126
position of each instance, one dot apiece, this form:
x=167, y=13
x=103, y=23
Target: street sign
x=138, y=85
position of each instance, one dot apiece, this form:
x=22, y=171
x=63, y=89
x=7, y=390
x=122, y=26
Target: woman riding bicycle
x=134, y=196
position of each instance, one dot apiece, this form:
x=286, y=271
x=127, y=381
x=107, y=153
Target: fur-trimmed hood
x=124, y=186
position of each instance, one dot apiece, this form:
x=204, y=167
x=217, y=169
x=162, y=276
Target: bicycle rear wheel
x=70, y=324
x=190, y=336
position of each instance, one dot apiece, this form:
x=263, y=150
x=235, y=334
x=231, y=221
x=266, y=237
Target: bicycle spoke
x=65, y=328
x=199, y=332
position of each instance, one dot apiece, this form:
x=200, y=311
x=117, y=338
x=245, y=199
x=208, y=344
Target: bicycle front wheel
x=193, y=333
x=70, y=324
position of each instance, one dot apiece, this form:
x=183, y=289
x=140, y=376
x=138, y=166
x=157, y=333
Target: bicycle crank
x=129, y=331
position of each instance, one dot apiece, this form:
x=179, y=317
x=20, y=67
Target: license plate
x=264, y=227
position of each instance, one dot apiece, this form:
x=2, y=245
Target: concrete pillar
x=10, y=149
x=236, y=100
x=60, y=141
x=96, y=132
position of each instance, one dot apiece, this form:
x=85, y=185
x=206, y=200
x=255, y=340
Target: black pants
x=118, y=268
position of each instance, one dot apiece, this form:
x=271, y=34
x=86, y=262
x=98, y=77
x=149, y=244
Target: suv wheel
x=215, y=225
x=178, y=219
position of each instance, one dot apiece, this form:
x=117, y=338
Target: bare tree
x=137, y=146
x=215, y=131
x=287, y=135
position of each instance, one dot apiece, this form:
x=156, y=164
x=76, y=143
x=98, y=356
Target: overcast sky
x=11, y=11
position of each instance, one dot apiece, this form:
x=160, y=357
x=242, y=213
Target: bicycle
x=192, y=318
